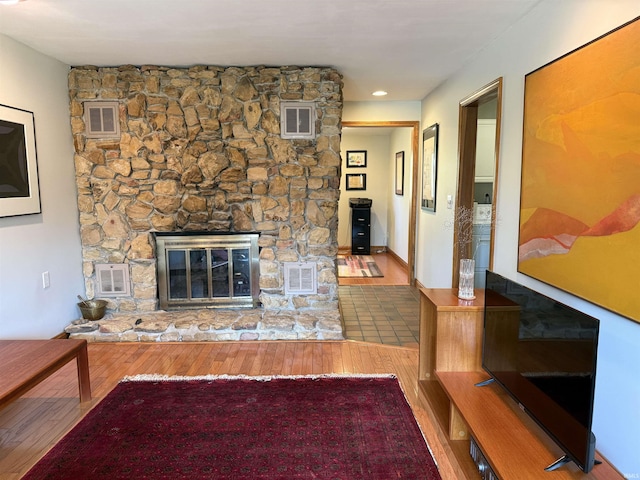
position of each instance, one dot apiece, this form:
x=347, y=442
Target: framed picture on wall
x=576, y=142
x=19, y=190
x=356, y=181
x=429, y=167
x=356, y=158
x=400, y=173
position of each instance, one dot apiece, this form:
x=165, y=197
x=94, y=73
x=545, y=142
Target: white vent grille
x=300, y=278
x=101, y=119
x=298, y=120
x=113, y=280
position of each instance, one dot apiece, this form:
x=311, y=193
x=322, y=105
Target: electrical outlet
x=46, y=281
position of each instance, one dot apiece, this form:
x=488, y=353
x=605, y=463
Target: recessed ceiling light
x=379, y=93
x=10, y=2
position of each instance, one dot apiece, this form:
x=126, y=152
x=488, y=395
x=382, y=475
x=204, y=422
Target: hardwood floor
x=35, y=422
x=395, y=273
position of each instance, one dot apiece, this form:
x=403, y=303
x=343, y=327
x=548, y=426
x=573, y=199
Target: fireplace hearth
x=207, y=270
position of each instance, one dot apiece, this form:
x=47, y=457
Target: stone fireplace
x=199, y=150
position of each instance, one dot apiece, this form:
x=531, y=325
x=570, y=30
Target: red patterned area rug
x=358, y=266
x=322, y=427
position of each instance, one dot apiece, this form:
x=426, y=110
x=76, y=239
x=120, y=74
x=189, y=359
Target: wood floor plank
x=247, y=359
x=347, y=358
x=307, y=359
x=222, y=357
x=211, y=362
x=262, y=360
x=277, y=365
x=197, y=360
x=327, y=359
x=292, y=353
x=356, y=360
x=337, y=350
x=232, y=363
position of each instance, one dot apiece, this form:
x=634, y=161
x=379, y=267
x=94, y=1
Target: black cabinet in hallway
x=360, y=226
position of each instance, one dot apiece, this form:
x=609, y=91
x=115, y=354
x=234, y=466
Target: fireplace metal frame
x=208, y=241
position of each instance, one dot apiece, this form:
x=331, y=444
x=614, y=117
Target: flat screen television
x=543, y=353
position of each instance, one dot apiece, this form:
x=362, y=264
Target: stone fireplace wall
x=200, y=150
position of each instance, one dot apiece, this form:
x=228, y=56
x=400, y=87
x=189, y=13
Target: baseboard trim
x=404, y=264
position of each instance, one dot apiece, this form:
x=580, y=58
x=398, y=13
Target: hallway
x=381, y=310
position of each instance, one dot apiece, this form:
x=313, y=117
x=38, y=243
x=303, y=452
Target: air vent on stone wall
x=298, y=120
x=300, y=278
x=113, y=280
x=101, y=119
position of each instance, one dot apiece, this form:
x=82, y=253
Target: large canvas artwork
x=580, y=196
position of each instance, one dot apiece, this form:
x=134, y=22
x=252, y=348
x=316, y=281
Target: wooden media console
x=450, y=366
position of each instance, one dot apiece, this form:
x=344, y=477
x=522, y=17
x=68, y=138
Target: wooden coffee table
x=25, y=363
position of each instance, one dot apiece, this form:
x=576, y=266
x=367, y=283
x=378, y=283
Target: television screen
x=544, y=354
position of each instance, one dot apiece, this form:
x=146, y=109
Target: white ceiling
x=406, y=47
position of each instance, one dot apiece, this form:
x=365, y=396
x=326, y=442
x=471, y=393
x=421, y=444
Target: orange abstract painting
x=580, y=193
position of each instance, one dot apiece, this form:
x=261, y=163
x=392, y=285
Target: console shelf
x=450, y=366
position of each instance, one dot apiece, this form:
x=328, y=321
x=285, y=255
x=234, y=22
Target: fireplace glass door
x=219, y=270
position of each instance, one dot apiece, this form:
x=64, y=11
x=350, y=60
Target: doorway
x=411, y=232
x=479, y=147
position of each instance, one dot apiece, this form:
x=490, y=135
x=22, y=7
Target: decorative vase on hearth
x=466, y=281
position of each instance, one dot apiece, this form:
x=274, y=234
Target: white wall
x=49, y=241
x=377, y=147
x=400, y=205
x=549, y=31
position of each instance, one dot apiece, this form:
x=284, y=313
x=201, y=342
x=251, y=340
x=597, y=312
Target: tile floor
x=380, y=313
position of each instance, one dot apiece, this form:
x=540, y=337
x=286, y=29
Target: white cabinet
x=485, y=150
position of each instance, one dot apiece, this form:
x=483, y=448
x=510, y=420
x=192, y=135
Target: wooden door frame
x=467, y=134
x=415, y=125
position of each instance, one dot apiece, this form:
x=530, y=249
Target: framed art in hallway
x=429, y=167
x=400, y=173
x=356, y=158
x=19, y=190
x=356, y=181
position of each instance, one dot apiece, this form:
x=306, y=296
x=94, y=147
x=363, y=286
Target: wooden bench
x=25, y=363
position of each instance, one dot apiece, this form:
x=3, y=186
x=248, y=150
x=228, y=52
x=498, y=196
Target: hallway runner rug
x=321, y=427
x=358, y=266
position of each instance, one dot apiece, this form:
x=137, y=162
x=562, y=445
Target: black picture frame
x=356, y=181
x=429, y=168
x=399, y=177
x=19, y=186
x=356, y=159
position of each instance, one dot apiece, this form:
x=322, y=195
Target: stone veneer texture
x=200, y=150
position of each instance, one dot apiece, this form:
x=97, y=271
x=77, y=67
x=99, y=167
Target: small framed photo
x=400, y=173
x=356, y=158
x=356, y=181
